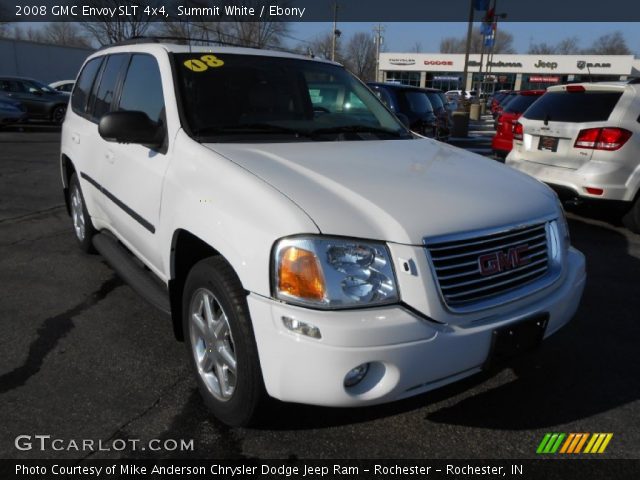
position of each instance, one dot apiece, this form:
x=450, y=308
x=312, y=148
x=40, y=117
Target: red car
x=503, y=139
x=497, y=98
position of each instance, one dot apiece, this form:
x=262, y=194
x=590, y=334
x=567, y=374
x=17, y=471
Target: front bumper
x=407, y=353
x=616, y=179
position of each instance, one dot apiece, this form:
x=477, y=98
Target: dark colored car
x=11, y=111
x=442, y=111
x=41, y=101
x=414, y=103
x=503, y=139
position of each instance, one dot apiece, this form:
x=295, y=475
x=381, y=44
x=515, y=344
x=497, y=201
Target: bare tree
x=106, y=29
x=360, y=56
x=320, y=46
x=568, y=46
x=609, y=44
x=265, y=34
x=503, y=43
x=416, y=48
x=541, y=49
x=30, y=34
x=64, y=33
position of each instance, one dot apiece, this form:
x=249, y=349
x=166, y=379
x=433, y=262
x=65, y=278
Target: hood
x=394, y=190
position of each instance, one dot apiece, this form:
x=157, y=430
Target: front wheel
x=220, y=342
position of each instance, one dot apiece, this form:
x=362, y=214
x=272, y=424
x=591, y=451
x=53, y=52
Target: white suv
x=307, y=246
x=584, y=141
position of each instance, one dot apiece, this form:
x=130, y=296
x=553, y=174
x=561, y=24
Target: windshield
x=253, y=98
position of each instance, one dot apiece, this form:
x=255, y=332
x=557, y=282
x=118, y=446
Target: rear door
x=552, y=124
x=80, y=136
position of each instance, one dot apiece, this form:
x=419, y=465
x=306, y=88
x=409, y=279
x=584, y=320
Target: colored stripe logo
x=574, y=443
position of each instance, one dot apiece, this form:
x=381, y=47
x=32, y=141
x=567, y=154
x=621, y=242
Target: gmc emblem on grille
x=501, y=261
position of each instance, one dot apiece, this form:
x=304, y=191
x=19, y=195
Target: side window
x=142, y=88
x=83, y=85
x=108, y=83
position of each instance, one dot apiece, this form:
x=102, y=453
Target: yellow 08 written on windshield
x=203, y=63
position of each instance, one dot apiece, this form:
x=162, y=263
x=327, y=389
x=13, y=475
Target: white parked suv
x=584, y=141
x=307, y=246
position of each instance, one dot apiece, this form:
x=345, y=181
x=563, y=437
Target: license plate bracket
x=517, y=338
x=548, y=144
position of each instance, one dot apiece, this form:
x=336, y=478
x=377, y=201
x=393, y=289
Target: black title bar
x=314, y=10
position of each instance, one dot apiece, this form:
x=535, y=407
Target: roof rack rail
x=138, y=39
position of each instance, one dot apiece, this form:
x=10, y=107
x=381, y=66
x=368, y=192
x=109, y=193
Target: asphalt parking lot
x=83, y=357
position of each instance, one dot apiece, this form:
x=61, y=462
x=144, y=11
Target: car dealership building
x=509, y=72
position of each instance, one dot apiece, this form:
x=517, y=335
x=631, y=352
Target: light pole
x=336, y=33
x=466, y=53
x=378, y=29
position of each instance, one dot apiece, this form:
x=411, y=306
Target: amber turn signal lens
x=300, y=275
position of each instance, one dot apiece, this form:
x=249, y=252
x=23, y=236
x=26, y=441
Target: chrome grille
x=456, y=263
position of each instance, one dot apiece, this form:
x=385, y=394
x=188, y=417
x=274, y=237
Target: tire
x=221, y=344
x=57, y=114
x=82, y=226
x=631, y=219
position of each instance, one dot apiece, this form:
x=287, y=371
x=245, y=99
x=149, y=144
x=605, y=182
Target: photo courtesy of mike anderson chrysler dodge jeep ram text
x=306, y=245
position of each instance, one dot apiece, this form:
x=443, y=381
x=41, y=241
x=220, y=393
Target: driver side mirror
x=131, y=127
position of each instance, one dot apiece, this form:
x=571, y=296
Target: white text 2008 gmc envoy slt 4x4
x=307, y=246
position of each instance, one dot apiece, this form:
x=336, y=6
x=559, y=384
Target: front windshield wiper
x=244, y=128
x=360, y=129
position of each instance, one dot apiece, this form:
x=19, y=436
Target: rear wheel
x=220, y=342
x=631, y=220
x=82, y=226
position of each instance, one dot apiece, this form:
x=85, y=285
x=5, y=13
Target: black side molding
x=147, y=225
x=132, y=272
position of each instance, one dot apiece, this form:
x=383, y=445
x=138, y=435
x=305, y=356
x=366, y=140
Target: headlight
x=563, y=226
x=325, y=272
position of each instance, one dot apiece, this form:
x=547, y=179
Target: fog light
x=302, y=328
x=355, y=376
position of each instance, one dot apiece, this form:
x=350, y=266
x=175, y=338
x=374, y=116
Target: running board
x=133, y=273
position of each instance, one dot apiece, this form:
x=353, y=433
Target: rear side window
x=520, y=103
x=83, y=85
x=108, y=83
x=575, y=107
x=142, y=88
